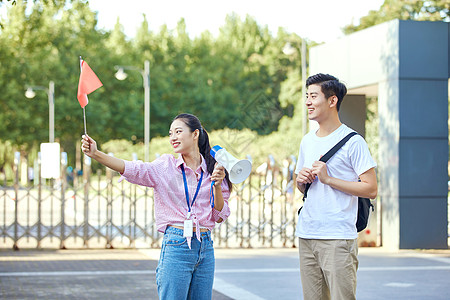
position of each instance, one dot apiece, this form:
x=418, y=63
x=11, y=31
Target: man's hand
x=319, y=169
x=305, y=176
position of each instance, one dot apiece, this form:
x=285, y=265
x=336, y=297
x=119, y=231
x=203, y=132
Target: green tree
x=219, y=79
x=37, y=47
x=430, y=10
x=248, y=79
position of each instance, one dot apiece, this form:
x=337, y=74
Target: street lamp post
x=121, y=75
x=29, y=93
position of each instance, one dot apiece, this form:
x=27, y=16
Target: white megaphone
x=238, y=170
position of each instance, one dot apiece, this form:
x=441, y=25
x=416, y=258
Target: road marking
x=363, y=269
x=400, y=284
x=232, y=291
x=409, y=268
x=222, y=271
x=261, y=270
x=76, y=273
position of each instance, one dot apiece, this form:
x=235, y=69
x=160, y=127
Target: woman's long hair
x=203, y=143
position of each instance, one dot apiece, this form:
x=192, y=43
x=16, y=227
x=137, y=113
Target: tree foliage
x=429, y=10
x=220, y=79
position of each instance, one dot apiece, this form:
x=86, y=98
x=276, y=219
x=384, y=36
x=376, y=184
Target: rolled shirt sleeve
x=225, y=212
x=145, y=173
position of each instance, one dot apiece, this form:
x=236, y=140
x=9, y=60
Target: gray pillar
x=388, y=166
x=413, y=109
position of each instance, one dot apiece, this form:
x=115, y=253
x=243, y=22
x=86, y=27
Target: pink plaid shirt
x=165, y=176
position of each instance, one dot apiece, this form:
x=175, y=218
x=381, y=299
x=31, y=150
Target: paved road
x=240, y=274
x=274, y=274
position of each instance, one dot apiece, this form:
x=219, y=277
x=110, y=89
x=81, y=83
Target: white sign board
x=50, y=160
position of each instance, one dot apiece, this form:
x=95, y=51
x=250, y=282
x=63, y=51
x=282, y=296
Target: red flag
x=88, y=83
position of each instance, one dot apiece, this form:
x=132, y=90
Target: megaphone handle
x=211, y=195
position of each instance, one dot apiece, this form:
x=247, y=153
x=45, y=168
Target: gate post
x=86, y=182
x=16, y=198
x=63, y=198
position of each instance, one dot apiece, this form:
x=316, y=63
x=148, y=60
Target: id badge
x=188, y=228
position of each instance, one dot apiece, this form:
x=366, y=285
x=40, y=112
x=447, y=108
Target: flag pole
x=84, y=116
x=84, y=111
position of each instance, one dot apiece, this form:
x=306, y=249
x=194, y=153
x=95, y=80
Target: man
x=326, y=225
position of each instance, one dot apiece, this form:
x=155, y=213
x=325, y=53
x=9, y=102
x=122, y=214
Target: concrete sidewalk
x=240, y=274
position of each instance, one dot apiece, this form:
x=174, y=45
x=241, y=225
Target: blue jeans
x=184, y=273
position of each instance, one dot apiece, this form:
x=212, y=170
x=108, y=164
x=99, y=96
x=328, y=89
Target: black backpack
x=364, y=204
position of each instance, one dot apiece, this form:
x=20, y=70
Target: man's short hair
x=329, y=85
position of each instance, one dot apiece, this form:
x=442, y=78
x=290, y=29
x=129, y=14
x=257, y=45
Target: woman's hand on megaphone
x=218, y=174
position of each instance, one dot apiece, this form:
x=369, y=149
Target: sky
x=316, y=20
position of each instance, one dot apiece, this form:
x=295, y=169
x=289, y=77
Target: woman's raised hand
x=88, y=145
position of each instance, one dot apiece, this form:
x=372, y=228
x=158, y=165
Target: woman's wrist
x=97, y=154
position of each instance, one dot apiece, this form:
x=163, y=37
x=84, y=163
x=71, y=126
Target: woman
x=191, y=195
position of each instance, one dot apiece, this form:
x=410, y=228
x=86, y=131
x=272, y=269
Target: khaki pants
x=328, y=268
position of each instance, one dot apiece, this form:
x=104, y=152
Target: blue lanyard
x=187, y=191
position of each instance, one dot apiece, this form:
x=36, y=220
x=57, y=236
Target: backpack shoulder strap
x=336, y=147
x=329, y=154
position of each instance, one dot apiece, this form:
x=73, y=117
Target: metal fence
x=94, y=210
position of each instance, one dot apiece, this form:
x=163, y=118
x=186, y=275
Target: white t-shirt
x=327, y=212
